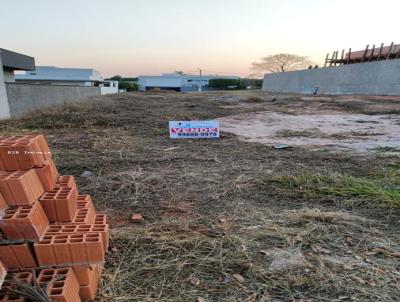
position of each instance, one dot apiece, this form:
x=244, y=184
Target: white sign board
x=194, y=129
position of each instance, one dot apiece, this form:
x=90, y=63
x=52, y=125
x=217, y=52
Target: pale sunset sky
x=131, y=38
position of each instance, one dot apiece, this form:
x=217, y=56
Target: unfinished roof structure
x=367, y=55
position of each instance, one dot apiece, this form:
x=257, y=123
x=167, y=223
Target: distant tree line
x=129, y=84
x=235, y=84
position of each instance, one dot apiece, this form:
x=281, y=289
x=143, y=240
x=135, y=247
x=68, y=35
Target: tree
x=232, y=84
x=116, y=78
x=128, y=86
x=282, y=62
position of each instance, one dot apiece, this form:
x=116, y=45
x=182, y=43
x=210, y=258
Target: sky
x=149, y=37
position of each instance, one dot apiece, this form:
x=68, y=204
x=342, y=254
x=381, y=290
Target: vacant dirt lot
x=232, y=219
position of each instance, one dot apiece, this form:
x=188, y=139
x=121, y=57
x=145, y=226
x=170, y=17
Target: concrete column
x=9, y=77
x=4, y=106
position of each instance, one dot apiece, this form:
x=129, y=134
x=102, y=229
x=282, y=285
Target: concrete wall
x=4, y=108
x=9, y=77
x=108, y=90
x=373, y=78
x=25, y=98
x=110, y=87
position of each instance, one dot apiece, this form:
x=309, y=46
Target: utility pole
x=200, y=82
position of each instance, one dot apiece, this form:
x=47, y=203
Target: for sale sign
x=194, y=129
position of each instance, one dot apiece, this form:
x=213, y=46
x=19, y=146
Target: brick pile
x=50, y=234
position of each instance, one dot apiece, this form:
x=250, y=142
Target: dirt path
x=230, y=220
x=336, y=130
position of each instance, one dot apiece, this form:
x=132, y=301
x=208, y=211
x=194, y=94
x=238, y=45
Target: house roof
x=15, y=61
x=51, y=73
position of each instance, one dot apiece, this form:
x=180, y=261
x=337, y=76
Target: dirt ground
x=234, y=219
x=335, y=130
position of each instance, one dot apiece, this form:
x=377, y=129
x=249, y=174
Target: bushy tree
x=129, y=86
x=227, y=84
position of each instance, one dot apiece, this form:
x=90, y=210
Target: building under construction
x=379, y=74
x=369, y=54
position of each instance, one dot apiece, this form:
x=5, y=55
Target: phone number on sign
x=203, y=134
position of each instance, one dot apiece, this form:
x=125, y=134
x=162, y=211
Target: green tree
x=116, y=78
x=129, y=86
x=227, y=84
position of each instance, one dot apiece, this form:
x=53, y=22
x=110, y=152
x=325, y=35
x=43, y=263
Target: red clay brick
x=100, y=219
x=88, y=292
x=83, y=216
x=24, y=222
x=44, y=252
x=8, y=298
x=137, y=218
x=70, y=249
x=3, y=273
x=61, y=283
x=84, y=273
x=18, y=256
x=23, y=152
x=60, y=204
x=85, y=202
x=3, y=203
x=6, y=293
x=20, y=187
x=103, y=229
x=66, y=181
x=47, y=175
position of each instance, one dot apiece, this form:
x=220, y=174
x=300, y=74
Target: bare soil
x=232, y=219
x=329, y=131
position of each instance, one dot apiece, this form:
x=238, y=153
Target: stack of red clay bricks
x=50, y=235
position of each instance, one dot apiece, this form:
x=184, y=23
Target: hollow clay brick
x=84, y=273
x=3, y=203
x=20, y=187
x=61, y=283
x=47, y=175
x=88, y=292
x=85, y=202
x=24, y=222
x=100, y=219
x=60, y=204
x=66, y=181
x=70, y=249
x=3, y=273
x=84, y=216
x=6, y=293
x=23, y=152
x=18, y=256
x=103, y=229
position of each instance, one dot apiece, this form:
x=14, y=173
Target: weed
x=386, y=149
x=333, y=185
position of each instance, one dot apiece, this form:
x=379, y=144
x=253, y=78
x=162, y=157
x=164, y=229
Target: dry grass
x=298, y=254
x=226, y=220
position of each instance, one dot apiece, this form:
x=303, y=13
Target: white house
x=109, y=87
x=178, y=82
x=50, y=75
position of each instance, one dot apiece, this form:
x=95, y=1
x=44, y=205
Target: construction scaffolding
x=362, y=56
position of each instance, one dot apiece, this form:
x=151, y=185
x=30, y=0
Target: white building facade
x=179, y=82
x=109, y=87
x=50, y=75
